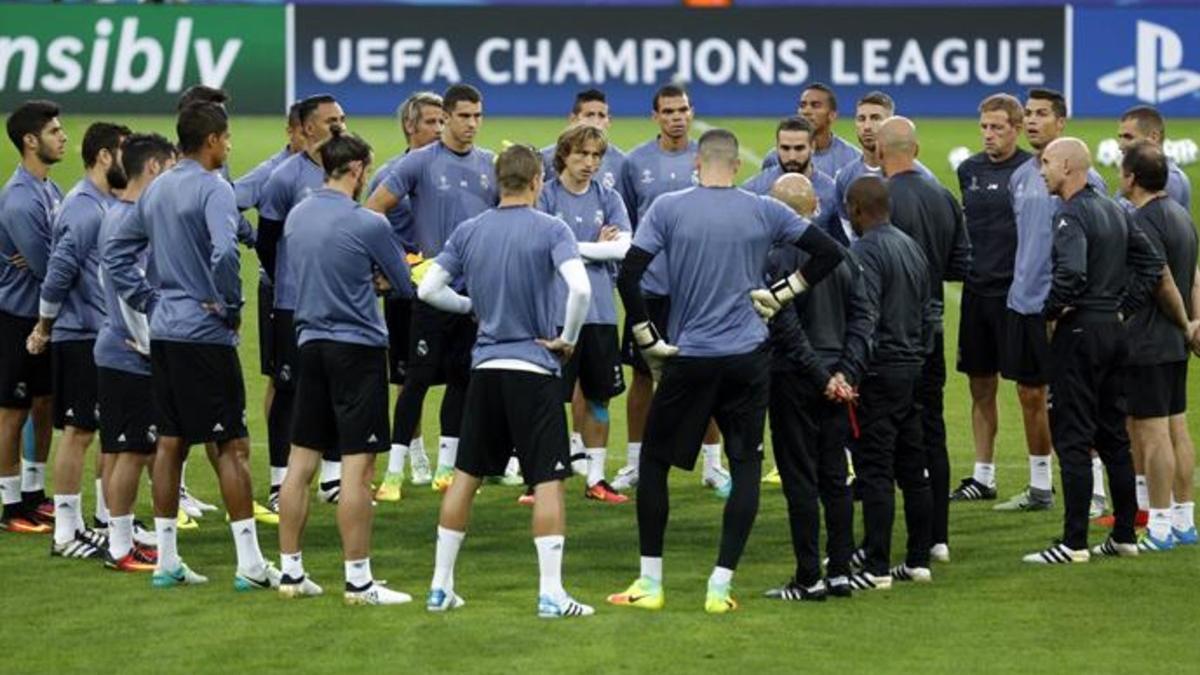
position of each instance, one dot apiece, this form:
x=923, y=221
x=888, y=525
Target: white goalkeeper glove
x=655, y=351
x=768, y=301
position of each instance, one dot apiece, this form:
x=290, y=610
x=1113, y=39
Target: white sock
x=550, y=555
x=278, y=473
x=168, y=545
x=358, y=574
x=245, y=540
x=652, y=568
x=33, y=476
x=10, y=489
x=633, y=454
x=120, y=536
x=596, y=459
x=1039, y=473
x=712, y=455
x=1097, y=477
x=720, y=576
x=985, y=474
x=1160, y=523
x=576, y=443
x=1183, y=516
x=416, y=446
x=101, y=506
x=447, y=451
x=66, y=512
x=1143, y=493
x=331, y=472
x=396, y=458
x=448, y=543
x=292, y=565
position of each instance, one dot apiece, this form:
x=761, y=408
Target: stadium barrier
x=742, y=61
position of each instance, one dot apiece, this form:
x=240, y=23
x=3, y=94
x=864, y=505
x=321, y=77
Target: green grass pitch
x=985, y=611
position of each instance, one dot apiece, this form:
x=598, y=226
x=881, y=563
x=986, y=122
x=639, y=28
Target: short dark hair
x=1057, y=102
x=795, y=123
x=516, y=168
x=200, y=93
x=588, y=96
x=824, y=89
x=293, y=116
x=29, y=118
x=307, y=107
x=870, y=194
x=341, y=150
x=138, y=149
x=460, y=92
x=1147, y=163
x=878, y=98
x=717, y=144
x=573, y=139
x=1148, y=120
x=197, y=122
x=102, y=136
x=668, y=91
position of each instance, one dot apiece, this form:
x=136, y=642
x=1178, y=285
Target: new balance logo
x=1156, y=75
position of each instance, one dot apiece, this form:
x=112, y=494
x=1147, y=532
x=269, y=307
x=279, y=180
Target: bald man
x=818, y=355
x=928, y=213
x=715, y=239
x=890, y=451
x=1102, y=269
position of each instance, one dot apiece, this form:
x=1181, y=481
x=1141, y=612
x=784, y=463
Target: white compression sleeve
x=579, y=296
x=435, y=290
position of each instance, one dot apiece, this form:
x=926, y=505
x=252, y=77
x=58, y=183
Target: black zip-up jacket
x=899, y=302
x=1102, y=263
x=928, y=213
x=829, y=327
x=991, y=223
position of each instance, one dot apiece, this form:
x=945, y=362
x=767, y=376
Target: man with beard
x=793, y=146
x=70, y=314
x=293, y=180
x=818, y=105
x=341, y=253
x=871, y=111
x=28, y=205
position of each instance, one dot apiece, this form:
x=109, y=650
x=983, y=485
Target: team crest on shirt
x=647, y=176
x=608, y=180
x=599, y=217
x=484, y=182
x=695, y=176
x=443, y=184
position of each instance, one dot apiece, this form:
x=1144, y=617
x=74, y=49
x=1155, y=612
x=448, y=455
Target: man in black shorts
x=1156, y=374
x=721, y=367
x=596, y=215
x=510, y=258
x=27, y=207
x=189, y=215
x=334, y=244
x=71, y=310
x=125, y=393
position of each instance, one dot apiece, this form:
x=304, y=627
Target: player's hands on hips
x=18, y=261
x=382, y=285
x=655, y=350
x=561, y=349
x=37, y=341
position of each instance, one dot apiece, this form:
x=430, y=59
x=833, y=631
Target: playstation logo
x=1156, y=76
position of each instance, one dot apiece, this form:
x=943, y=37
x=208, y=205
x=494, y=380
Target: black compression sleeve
x=629, y=284
x=269, y=234
x=824, y=254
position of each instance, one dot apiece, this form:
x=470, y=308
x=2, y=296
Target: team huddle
x=813, y=292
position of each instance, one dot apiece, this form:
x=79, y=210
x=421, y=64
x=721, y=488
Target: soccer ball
x=958, y=156
x=1108, y=153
